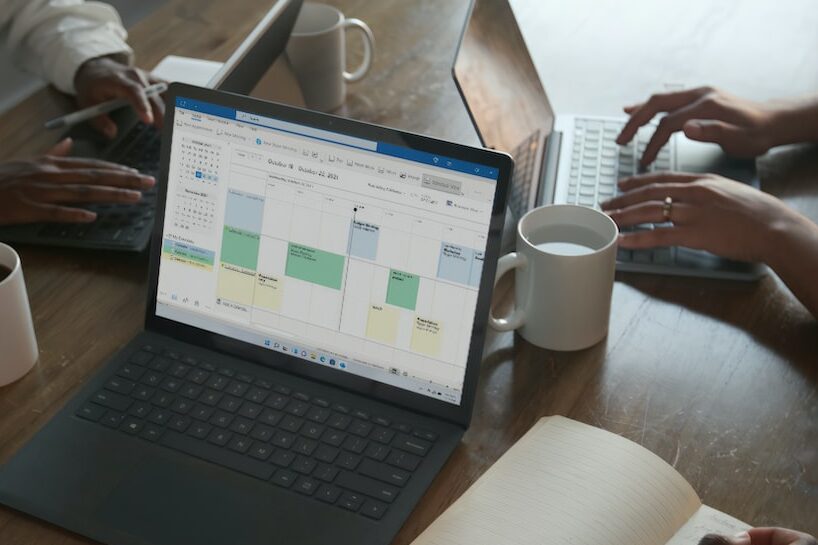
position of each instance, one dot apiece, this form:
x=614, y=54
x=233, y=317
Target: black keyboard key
x=131, y=371
x=341, y=408
x=198, y=376
x=240, y=444
x=211, y=397
x=200, y=412
x=237, y=388
x=327, y=493
x=291, y=424
x=281, y=389
x=355, y=444
x=412, y=445
x=381, y=421
x=140, y=409
x=260, y=451
x=426, y=435
x=339, y=421
x=305, y=485
x=151, y=432
x=226, y=372
x=283, y=439
x=317, y=414
x=257, y=395
x=91, y=412
x=297, y=408
x=172, y=354
x=241, y=425
x=162, y=399
x=369, y=487
x=141, y=358
x=142, y=392
x=131, y=425
x=250, y=410
x=217, y=382
x=301, y=396
x=277, y=401
x=348, y=460
x=401, y=426
x=207, y=366
x=384, y=472
x=244, y=377
x=221, y=419
x=199, y=430
x=160, y=364
x=190, y=360
x=363, y=415
x=360, y=428
x=283, y=458
x=152, y=378
x=152, y=348
x=264, y=383
x=313, y=431
x=230, y=403
x=403, y=460
x=181, y=406
x=377, y=451
x=284, y=477
x=112, y=400
x=191, y=391
x=262, y=432
x=326, y=453
x=305, y=446
x=219, y=437
x=179, y=370
x=219, y=456
x=269, y=416
x=326, y=473
x=112, y=419
x=373, y=509
x=179, y=423
x=334, y=437
x=159, y=416
x=320, y=401
x=382, y=435
x=303, y=465
x=351, y=501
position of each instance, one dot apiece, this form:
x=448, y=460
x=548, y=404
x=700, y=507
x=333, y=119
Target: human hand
x=741, y=127
x=32, y=190
x=708, y=212
x=104, y=78
x=761, y=536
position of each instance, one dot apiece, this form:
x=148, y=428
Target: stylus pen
x=99, y=109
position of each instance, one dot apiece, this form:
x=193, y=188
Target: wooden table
x=717, y=378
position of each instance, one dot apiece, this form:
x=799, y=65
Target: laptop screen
x=360, y=256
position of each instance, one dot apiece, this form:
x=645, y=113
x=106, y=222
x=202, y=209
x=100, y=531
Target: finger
x=135, y=93
x=660, y=102
x=651, y=212
x=82, y=194
x=60, y=214
x=779, y=536
x=85, y=162
x=640, y=180
x=673, y=122
x=716, y=539
x=158, y=110
x=662, y=236
x=105, y=125
x=61, y=148
x=113, y=178
x=654, y=192
x=712, y=130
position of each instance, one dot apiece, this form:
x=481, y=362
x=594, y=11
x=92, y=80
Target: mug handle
x=517, y=318
x=369, y=46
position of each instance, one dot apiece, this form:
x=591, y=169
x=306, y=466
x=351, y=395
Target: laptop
x=572, y=158
x=314, y=330
x=127, y=227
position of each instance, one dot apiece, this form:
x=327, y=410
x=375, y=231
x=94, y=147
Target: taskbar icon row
x=305, y=354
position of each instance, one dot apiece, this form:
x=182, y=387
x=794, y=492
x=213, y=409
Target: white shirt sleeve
x=53, y=38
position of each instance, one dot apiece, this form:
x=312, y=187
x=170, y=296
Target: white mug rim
x=340, y=21
x=542, y=209
x=14, y=269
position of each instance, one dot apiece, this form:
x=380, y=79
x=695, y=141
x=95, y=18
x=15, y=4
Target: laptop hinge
x=548, y=173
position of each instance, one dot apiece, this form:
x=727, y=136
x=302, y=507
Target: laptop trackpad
x=167, y=503
x=700, y=157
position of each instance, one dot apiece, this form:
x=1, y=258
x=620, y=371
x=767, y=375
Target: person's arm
x=793, y=255
x=761, y=536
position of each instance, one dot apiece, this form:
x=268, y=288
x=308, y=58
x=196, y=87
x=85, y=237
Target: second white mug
x=317, y=54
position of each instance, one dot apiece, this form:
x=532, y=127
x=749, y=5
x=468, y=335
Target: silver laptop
x=572, y=158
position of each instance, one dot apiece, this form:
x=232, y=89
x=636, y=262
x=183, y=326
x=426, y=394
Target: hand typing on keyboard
x=39, y=189
x=741, y=127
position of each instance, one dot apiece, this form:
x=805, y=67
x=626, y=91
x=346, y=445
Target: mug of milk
x=564, y=272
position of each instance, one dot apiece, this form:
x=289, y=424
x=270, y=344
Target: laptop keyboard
x=525, y=162
x=310, y=445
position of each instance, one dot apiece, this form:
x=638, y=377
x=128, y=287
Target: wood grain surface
x=718, y=378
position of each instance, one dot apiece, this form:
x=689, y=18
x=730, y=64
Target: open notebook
x=567, y=482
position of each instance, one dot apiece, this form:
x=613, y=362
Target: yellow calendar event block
x=236, y=284
x=382, y=324
x=426, y=336
x=268, y=292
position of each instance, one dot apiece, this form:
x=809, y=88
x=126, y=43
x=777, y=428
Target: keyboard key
x=210, y=397
x=402, y=426
x=241, y=425
x=260, y=451
x=367, y=486
x=179, y=423
x=91, y=412
x=326, y=473
x=131, y=371
x=383, y=435
x=219, y=437
x=217, y=382
x=360, y=428
x=140, y=409
x=341, y=408
x=347, y=460
x=244, y=377
x=305, y=485
x=162, y=399
x=226, y=372
x=179, y=370
x=191, y=391
x=313, y=431
x=281, y=389
x=283, y=458
x=141, y=358
x=200, y=430
x=142, y=392
x=152, y=378
x=317, y=414
x=182, y=406
x=384, y=472
x=284, y=477
x=334, y=437
x=200, y=412
x=239, y=444
x=269, y=416
x=377, y=451
x=230, y=404
x=237, y=388
x=326, y=453
x=111, y=400
x=112, y=419
x=339, y=421
x=151, y=432
x=159, y=416
x=321, y=402
x=350, y=501
x=301, y=396
x=198, y=376
x=221, y=419
x=403, y=460
x=355, y=444
x=297, y=408
x=303, y=465
x=328, y=493
x=219, y=456
x=257, y=395
x=160, y=364
x=381, y=421
x=277, y=401
x=373, y=509
x=283, y=439
x=305, y=446
x=262, y=432
x=131, y=425
x=291, y=424
x=363, y=415
x=412, y=445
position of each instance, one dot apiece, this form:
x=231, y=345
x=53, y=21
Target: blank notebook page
x=566, y=482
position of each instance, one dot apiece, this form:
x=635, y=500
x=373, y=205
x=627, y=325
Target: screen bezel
x=458, y=414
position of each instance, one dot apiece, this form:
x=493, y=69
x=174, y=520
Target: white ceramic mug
x=564, y=272
x=18, y=345
x=317, y=53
